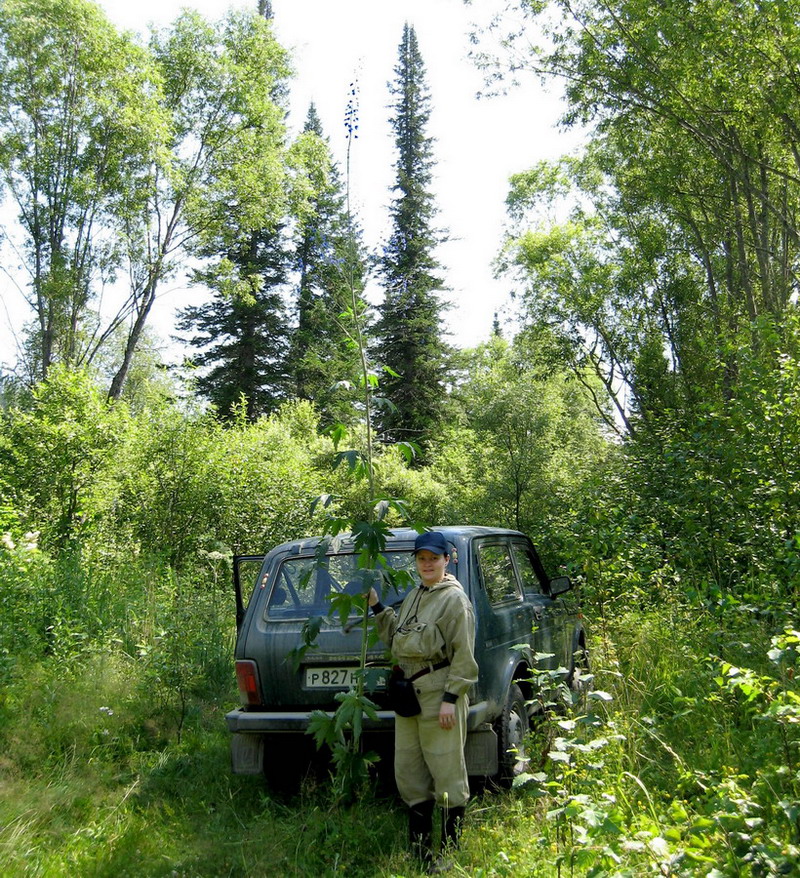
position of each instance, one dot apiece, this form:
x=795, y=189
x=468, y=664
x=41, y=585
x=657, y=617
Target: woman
x=432, y=639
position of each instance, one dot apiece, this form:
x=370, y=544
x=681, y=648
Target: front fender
x=517, y=669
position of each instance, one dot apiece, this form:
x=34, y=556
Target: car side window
x=527, y=573
x=498, y=574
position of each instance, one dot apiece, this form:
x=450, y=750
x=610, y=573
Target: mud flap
x=480, y=752
x=247, y=753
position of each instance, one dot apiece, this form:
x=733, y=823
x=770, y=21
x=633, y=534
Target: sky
x=479, y=143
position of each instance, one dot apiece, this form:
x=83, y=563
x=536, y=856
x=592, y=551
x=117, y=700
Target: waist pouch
x=402, y=697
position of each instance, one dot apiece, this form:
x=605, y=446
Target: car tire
x=512, y=728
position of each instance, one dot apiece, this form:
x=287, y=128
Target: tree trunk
x=118, y=382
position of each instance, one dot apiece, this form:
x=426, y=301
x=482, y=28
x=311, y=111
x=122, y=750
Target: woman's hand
x=447, y=715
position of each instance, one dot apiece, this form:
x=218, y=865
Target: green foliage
x=150, y=152
x=166, y=484
x=529, y=441
x=613, y=294
x=351, y=765
x=707, y=506
x=218, y=182
x=684, y=122
x=187, y=484
x=662, y=775
x=91, y=477
x=56, y=454
x=84, y=642
x=661, y=259
x=267, y=475
x=368, y=527
x=238, y=214
x=75, y=160
x=675, y=765
x=186, y=658
x=685, y=760
x=242, y=333
x=665, y=286
x=26, y=585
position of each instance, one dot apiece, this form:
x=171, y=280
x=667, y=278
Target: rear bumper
x=260, y=722
x=250, y=722
x=251, y=730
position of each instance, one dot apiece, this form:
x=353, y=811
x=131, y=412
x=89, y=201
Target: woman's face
x=431, y=566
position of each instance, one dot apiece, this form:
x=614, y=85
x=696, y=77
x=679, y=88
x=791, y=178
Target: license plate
x=330, y=678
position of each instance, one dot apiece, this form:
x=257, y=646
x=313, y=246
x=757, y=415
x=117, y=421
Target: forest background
x=642, y=426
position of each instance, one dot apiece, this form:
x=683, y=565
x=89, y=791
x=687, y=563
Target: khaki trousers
x=429, y=760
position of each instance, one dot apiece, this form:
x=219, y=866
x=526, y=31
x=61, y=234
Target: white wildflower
x=30, y=541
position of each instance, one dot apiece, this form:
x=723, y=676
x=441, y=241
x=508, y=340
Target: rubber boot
x=452, y=818
x=420, y=823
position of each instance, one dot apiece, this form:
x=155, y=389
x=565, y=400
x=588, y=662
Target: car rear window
x=304, y=586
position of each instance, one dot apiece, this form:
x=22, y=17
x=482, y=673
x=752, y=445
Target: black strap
x=438, y=666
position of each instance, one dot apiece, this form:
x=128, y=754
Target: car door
x=550, y=616
x=246, y=569
x=504, y=618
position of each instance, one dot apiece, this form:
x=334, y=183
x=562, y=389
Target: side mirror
x=559, y=585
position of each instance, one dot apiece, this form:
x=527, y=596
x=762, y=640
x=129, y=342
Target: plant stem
x=359, y=335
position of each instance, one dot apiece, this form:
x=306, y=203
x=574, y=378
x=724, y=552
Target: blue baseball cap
x=433, y=542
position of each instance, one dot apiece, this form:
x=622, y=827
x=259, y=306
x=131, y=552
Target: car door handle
x=537, y=613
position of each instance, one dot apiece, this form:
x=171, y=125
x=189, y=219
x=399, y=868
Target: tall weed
x=684, y=765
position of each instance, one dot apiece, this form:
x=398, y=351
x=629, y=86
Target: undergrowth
x=682, y=760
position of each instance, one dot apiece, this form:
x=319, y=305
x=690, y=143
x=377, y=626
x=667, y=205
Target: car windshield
x=304, y=587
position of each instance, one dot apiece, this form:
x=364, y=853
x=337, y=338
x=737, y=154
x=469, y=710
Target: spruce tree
x=242, y=333
x=410, y=330
x=331, y=266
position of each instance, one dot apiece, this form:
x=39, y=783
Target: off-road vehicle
x=528, y=626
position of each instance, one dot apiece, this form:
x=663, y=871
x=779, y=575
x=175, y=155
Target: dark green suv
x=528, y=628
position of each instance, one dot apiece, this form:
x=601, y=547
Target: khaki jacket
x=433, y=624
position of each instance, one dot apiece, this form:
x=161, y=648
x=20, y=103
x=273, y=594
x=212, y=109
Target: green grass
x=180, y=812
x=114, y=762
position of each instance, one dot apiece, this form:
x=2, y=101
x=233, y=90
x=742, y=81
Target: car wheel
x=512, y=732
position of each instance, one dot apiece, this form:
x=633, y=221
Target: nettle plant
x=576, y=741
x=754, y=813
x=342, y=732
x=602, y=817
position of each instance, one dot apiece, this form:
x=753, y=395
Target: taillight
x=247, y=678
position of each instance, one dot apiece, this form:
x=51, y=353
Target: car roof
x=397, y=536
